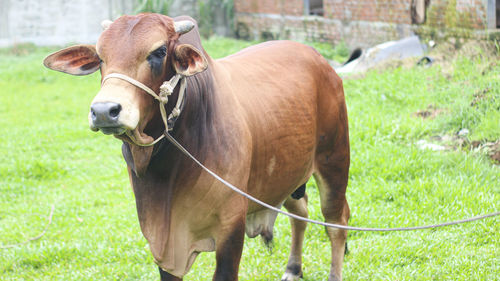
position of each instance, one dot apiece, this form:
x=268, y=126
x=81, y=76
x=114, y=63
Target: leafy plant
x=209, y=12
x=153, y=6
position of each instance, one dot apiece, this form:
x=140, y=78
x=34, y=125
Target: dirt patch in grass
x=491, y=148
x=460, y=142
x=430, y=112
x=480, y=96
x=496, y=157
x=494, y=151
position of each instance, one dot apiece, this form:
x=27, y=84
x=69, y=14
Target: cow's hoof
x=334, y=277
x=288, y=276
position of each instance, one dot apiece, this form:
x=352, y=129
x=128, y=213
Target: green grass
x=49, y=156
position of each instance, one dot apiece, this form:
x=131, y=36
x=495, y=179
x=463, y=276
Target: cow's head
x=143, y=47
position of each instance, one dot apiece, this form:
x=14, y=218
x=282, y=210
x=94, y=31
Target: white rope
x=177, y=109
x=131, y=81
x=36, y=237
x=345, y=227
x=167, y=88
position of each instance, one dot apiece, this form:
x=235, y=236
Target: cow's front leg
x=165, y=276
x=228, y=251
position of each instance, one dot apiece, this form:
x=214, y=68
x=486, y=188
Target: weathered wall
x=388, y=11
x=287, y=7
x=458, y=13
x=359, y=23
x=56, y=22
x=313, y=28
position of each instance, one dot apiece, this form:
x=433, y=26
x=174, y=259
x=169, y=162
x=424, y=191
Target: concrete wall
x=61, y=22
x=56, y=22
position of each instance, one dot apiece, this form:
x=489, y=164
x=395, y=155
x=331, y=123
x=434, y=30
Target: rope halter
x=166, y=89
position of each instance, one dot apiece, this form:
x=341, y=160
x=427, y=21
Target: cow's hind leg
x=165, y=276
x=294, y=267
x=332, y=169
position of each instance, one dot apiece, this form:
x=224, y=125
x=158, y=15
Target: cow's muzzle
x=105, y=116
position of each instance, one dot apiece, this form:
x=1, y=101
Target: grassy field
x=50, y=157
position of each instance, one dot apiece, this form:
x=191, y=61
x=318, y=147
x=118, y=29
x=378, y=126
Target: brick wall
x=359, y=23
x=389, y=11
x=287, y=7
x=355, y=34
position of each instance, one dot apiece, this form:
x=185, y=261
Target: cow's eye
x=159, y=53
x=156, y=58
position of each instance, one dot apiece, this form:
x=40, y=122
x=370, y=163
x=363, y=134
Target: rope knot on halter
x=167, y=88
x=176, y=112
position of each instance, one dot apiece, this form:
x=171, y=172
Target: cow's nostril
x=104, y=117
x=114, y=111
x=105, y=114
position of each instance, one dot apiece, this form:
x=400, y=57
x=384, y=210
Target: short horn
x=105, y=24
x=183, y=26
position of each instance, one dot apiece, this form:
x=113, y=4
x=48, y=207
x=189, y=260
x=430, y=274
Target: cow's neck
x=195, y=127
x=159, y=192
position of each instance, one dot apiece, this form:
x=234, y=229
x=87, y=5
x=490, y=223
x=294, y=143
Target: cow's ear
x=75, y=60
x=188, y=61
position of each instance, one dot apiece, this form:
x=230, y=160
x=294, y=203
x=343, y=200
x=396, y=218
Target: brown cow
x=265, y=119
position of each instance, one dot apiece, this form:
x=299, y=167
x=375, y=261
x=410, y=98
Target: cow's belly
x=276, y=178
x=284, y=165
x=283, y=157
